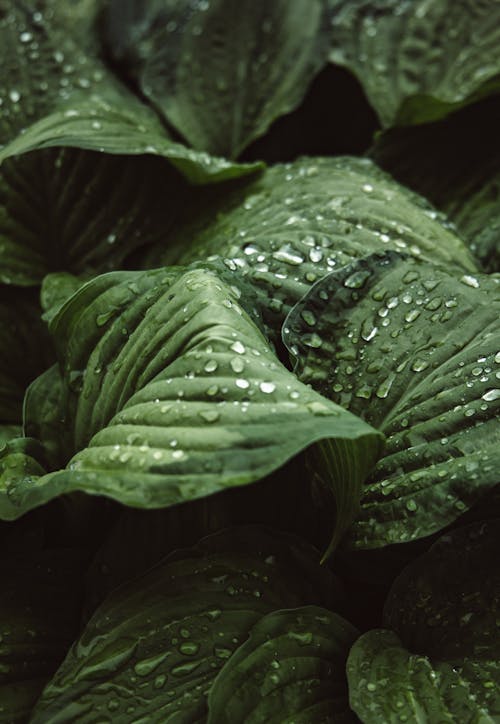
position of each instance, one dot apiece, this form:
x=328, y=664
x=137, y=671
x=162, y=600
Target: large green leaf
x=419, y=60
x=465, y=185
x=299, y=221
x=25, y=350
x=220, y=73
x=290, y=669
x=413, y=350
x=56, y=91
x=170, y=393
x=79, y=211
x=444, y=607
x=154, y=647
x=40, y=599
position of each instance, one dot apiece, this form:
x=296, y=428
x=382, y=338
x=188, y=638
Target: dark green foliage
x=249, y=401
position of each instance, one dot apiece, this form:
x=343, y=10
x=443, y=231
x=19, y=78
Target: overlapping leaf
x=419, y=60
x=413, y=350
x=170, y=393
x=154, y=647
x=444, y=608
x=299, y=221
x=221, y=73
x=291, y=668
x=56, y=91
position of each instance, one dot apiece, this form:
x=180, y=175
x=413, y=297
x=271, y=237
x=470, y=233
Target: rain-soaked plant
x=249, y=379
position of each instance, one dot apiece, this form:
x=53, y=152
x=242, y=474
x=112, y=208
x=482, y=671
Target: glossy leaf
x=445, y=607
x=56, y=91
x=291, y=668
x=299, y=221
x=171, y=393
x=155, y=645
x=220, y=74
x=413, y=350
x=420, y=60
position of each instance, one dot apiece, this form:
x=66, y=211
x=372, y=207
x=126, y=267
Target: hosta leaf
x=155, y=645
x=40, y=600
x=299, y=221
x=220, y=73
x=413, y=350
x=52, y=215
x=444, y=607
x=465, y=185
x=172, y=393
x=290, y=669
x=56, y=91
x=25, y=350
x=418, y=61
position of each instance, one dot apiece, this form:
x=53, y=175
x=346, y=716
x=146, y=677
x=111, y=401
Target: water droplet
x=238, y=348
x=419, y=365
x=237, y=364
x=412, y=315
x=189, y=648
x=209, y=415
x=160, y=681
x=385, y=387
x=14, y=95
x=357, y=280
x=267, y=387
x=184, y=669
x=312, y=340
x=210, y=366
x=222, y=653
x=242, y=383
x=145, y=667
x=308, y=317
x=470, y=281
x=491, y=395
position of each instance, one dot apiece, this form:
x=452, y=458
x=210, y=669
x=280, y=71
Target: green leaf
x=413, y=350
x=155, y=645
x=171, y=393
x=53, y=219
x=40, y=602
x=387, y=683
x=298, y=221
x=57, y=92
x=445, y=607
x=465, y=185
x=290, y=669
x=416, y=60
x=25, y=350
x=220, y=74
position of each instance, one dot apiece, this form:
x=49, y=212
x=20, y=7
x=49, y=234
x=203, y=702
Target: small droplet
x=267, y=387
x=210, y=366
x=491, y=395
x=237, y=365
x=470, y=281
